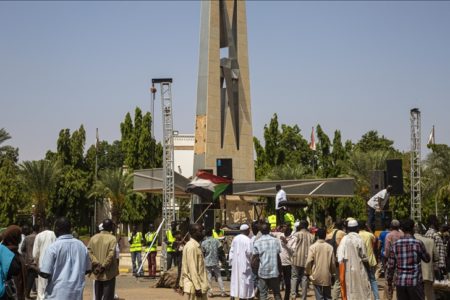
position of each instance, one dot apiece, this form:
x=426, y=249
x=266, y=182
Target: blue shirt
x=382, y=239
x=268, y=249
x=66, y=260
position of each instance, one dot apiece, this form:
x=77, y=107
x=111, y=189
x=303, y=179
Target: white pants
x=41, y=285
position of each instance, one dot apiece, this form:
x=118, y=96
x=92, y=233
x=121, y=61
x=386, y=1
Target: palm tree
x=287, y=172
x=116, y=186
x=4, y=136
x=39, y=178
x=360, y=163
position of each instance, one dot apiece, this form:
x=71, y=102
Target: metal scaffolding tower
x=168, y=205
x=416, y=196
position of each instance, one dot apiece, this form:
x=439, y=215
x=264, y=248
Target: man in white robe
x=242, y=284
x=41, y=243
x=352, y=256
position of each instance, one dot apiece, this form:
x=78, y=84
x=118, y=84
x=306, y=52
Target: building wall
x=184, y=154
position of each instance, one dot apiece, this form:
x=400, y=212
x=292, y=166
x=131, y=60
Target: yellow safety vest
x=170, y=240
x=289, y=218
x=272, y=221
x=149, y=236
x=219, y=235
x=136, y=242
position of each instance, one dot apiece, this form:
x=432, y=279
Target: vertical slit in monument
x=223, y=106
x=230, y=72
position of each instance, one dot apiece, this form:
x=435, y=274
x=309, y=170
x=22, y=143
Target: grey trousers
x=298, y=275
x=104, y=290
x=336, y=289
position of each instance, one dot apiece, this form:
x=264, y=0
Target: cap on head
x=352, y=223
x=244, y=227
x=395, y=223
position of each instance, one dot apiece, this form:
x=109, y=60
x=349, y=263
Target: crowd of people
x=342, y=262
x=54, y=264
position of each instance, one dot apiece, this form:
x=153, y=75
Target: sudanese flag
x=208, y=186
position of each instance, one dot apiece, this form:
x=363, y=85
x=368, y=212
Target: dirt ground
x=130, y=288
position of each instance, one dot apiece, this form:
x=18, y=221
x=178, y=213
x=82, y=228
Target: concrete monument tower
x=223, y=126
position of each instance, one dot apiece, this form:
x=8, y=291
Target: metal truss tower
x=168, y=205
x=416, y=196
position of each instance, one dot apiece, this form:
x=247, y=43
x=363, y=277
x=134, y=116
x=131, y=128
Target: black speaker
x=225, y=169
x=208, y=217
x=376, y=181
x=394, y=176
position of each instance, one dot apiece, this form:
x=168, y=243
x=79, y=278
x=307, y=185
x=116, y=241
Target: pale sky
x=353, y=66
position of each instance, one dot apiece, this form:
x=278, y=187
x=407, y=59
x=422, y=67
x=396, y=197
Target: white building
x=184, y=154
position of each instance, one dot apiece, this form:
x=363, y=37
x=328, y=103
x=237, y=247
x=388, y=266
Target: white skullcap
x=244, y=227
x=296, y=224
x=352, y=223
x=100, y=226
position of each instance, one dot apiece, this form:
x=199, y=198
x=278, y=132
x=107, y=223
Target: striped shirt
x=405, y=259
x=432, y=233
x=268, y=249
x=300, y=243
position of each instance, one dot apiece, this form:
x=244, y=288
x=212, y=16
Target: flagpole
x=96, y=174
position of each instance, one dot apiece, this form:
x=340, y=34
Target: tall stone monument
x=223, y=125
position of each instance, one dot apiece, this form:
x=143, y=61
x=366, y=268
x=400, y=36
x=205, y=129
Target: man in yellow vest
x=149, y=237
x=289, y=219
x=170, y=250
x=135, y=238
x=218, y=232
x=272, y=219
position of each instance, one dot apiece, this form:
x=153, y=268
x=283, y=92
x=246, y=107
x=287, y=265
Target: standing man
x=218, y=232
x=211, y=248
x=300, y=243
x=289, y=219
x=377, y=203
x=427, y=267
x=393, y=236
x=31, y=267
x=321, y=266
x=242, y=285
x=286, y=253
x=65, y=264
x=370, y=242
x=136, y=239
x=268, y=249
x=193, y=275
x=353, y=263
x=334, y=237
x=405, y=259
x=102, y=252
x=170, y=249
x=433, y=227
x=151, y=258
x=42, y=241
x=280, y=197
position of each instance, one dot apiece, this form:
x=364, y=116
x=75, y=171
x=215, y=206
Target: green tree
x=126, y=129
x=371, y=141
x=63, y=147
x=146, y=147
x=77, y=141
x=70, y=198
x=11, y=193
x=324, y=153
x=115, y=186
x=436, y=180
x=39, y=179
x=7, y=151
